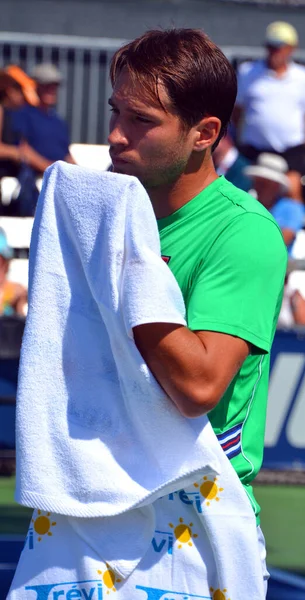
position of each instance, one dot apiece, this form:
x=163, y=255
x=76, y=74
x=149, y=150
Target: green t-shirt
x=229, y=258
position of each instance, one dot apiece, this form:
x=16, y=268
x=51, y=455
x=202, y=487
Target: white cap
x=280, y=33
x=271, y=167
x=46, y=73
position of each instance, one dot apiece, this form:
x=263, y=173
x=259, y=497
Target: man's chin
x=126, y=169
x=129, y=169
x=123, y=169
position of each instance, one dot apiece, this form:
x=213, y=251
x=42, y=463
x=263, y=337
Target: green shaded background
x=283, y=524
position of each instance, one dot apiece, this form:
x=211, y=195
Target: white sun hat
x=270, y=166
x=280, y=33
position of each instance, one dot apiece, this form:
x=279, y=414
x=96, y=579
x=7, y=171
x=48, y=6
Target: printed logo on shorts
x=183, y=533
x=157, y=594
x=41, y=526
x=189, y=498
x=163, y=540
x=219, y=595
x=209, y=489
x=93, y=590
x=83, y=590
x=109, y=579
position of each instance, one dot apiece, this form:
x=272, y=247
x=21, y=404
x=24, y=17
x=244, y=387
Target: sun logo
x=218, y=594
x=209, y=489
x=109, y=579
x=42, y=524
x=183, y=533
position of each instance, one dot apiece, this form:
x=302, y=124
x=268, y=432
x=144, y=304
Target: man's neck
x=167, y=199
x=279, y=71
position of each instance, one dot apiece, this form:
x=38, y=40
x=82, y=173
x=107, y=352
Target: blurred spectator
x=27, y=84
x=11, y=99
x=229, y=162
x=15, y=89
x=13, y=296
x=272, y=188
x=270, y=106
x=293, y=305
x=44, y=134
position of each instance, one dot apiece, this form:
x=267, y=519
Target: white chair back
x=92, y=156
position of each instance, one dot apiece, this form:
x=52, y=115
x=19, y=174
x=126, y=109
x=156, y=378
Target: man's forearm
x=192, y=368
x=176, y=364
x=33, y=158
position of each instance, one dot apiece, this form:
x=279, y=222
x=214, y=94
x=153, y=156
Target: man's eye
x=143, y=119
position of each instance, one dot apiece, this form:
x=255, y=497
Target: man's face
x=15, y=97
x=267, y=191
x=145, y=140
x=47, y=93
x=279, y=56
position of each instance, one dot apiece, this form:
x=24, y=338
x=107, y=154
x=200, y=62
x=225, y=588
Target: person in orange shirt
x=13, y=296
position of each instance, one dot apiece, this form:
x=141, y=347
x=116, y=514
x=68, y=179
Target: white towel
x=96, y=435
x=181, y=563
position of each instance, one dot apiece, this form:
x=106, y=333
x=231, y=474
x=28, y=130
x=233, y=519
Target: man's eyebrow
x=133, y=110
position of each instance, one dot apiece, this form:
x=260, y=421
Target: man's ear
x=207, y=132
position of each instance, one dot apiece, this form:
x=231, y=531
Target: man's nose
x=117, y=136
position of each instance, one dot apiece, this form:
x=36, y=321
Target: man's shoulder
x=24, y=112
x=298, y=71
x=250, y=234
x=251, y=68
x=244, y=204
x=289, y=206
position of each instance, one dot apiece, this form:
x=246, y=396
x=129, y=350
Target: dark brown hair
x=6, y=81
x=197, y=76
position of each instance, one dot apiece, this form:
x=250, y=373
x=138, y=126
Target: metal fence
x=269, y=2
x=84, y=64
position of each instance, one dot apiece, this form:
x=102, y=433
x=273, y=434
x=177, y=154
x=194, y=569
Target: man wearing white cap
x=271, y=100
x=271, y=186
x=40, y=127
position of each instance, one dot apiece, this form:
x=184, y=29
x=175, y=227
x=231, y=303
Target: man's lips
x=116, y=159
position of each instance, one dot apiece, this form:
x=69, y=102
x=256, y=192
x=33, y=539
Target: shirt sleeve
x=289, y=215
x=238, y=288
